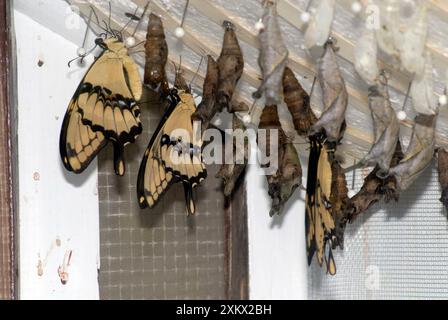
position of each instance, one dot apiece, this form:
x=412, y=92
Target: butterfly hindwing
x=172, y=156
x=79, y=144
x=105, y=104
x=318, y=219
x=153, y=179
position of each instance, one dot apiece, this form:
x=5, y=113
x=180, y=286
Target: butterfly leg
x=119, y=159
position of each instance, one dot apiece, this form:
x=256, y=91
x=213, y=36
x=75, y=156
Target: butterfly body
x=103, y=109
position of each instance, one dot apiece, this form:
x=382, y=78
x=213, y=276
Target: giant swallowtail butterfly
x=173, y=155
x=321, y=230
x=103, y=109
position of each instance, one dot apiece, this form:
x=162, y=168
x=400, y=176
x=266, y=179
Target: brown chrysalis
x=375, y=189
x=208, y=107
x=231, y=65
x=288, y=176
x=234, y=167
x=298, y=102
x=156, y=50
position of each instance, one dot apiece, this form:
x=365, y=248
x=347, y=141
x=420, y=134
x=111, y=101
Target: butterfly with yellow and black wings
x=326, y=195
x=173, y=154
x=103, y=109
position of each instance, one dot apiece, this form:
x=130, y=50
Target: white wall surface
x=58, y=210
x=277, y=250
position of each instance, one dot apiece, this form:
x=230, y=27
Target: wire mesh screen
x=394, y=251
x=158, y=253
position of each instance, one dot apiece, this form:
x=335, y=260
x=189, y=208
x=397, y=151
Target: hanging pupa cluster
x=403, y=38
x=219, y=85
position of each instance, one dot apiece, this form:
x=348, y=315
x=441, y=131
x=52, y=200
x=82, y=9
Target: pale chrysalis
x=413, y=41
x=319, y=27
x=366, y=51
x=273, y=57
x=422, y=90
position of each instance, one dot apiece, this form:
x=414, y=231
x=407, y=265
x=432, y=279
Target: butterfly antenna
x=92, y=10
x=138, y=44
x=125, y=26
x=196, y=73
x=175, y=67
x=108, y=28
x=97, y=23
x=312, y=87
x=184, y=15
x=110, y=17
x=178, y=70
x=308, y=5
x=406, y=98
x=353, y=175
x=138, y=51
x=132, y=17
x=87, y=30
x=141, y=18
x=105, y=27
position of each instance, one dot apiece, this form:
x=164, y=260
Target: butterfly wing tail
x=329, y=260
x=189, y=200
x=119, y=165
x=141, y=196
